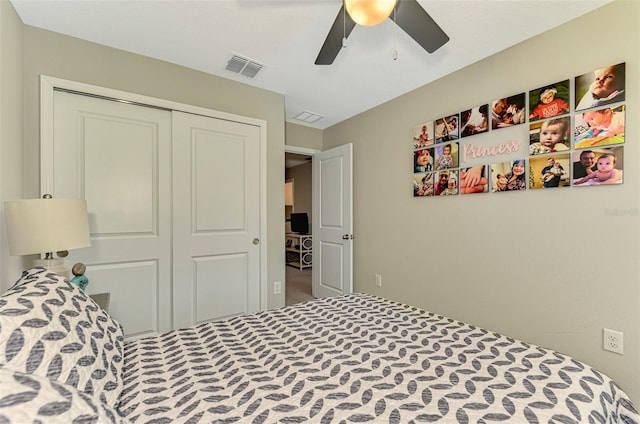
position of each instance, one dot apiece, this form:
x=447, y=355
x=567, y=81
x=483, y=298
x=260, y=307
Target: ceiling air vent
x=308, y=117
x=243, y=66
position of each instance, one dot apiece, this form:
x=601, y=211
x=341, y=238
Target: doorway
x=331, y=219
x=298, y=199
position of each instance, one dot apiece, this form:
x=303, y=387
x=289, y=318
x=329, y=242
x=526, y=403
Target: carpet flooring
x=297, y=285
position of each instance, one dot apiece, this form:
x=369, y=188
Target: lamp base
x=54, y=265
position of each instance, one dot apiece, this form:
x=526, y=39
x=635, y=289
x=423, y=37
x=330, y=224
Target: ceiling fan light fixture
x=369, y=12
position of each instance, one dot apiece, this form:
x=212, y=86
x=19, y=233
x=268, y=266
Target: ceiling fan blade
x=416, y=22
x=333, y=42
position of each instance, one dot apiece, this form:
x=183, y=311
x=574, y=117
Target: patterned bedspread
x=358, y=358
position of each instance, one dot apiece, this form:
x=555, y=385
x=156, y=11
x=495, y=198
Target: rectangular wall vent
x=308, y=117
x=243, y=66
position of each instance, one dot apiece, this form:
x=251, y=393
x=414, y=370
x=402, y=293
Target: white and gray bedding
x=358, y=358
x=354, y=358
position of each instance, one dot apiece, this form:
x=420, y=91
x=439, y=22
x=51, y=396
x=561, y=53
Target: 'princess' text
x=482, y=151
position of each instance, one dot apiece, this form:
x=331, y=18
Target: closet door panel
x=139, y=315
x=219, y=195
x=117, y=157
x=216, y=218
x=130, y=147
x=220, y=288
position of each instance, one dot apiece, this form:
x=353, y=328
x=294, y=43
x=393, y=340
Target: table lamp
x=47, y=225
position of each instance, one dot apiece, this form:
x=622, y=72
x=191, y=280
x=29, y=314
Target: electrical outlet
x=277, y=287
x=378, y=280
x=613, y=341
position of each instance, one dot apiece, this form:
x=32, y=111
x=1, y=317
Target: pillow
x=29, y=276
x=51, y=328
x=30, y=398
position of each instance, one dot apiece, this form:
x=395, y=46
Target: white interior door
x=117, y=157
x=332, y=222
x=216, y=208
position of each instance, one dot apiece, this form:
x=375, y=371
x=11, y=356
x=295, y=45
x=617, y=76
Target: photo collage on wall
x=583, y=147
x=436, y=156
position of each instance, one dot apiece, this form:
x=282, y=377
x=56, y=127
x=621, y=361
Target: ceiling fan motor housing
x=368, y=12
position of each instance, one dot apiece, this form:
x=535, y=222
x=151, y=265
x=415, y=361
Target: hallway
x=298, y=285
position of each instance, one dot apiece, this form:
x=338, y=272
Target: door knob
x=345, y=237
x=256, y=241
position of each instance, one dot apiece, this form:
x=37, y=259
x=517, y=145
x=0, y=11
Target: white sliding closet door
x=175, y=208
x=216, y=211
x=118, y=157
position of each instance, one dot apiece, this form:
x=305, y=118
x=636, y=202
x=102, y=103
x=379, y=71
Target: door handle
x=256, y=241
x=347, y=237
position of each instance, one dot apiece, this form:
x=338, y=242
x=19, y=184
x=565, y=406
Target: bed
x=352, y=358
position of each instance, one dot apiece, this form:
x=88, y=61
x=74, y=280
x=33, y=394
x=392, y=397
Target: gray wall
x=301, y=136
x=48, y=53
x=11, y=158
x=482, y=258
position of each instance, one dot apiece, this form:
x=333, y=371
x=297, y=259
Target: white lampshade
x=369, y=12
x=46, y=225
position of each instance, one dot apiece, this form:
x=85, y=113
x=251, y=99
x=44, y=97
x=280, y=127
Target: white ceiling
x=286, y=35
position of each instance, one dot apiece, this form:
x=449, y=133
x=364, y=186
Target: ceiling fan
x=408, y=15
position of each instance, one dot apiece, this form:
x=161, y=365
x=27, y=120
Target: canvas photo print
x=599, y=127
x=446, y=156
x=549, y=101
x=446, y=183
x=508, y=111
x=549, y=136
x=447, y=128
x=423, y=135
x=474, y=121
x=474, y=180
x=600, y=87
x=598, y=166
x=423, y=184
x=423, y=160
x=509, y=176
x=549, y=171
